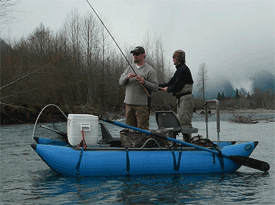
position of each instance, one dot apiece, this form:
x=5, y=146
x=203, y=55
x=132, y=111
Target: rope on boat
x=79, y=161
x=84, y=146
x=41, y=113
x=83, y=142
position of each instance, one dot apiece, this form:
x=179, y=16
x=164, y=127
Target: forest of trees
x=77, y=68
x=241, y=100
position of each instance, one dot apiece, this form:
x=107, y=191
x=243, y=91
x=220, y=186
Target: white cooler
x=85, y=122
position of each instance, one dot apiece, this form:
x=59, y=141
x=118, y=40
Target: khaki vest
x=186, y=89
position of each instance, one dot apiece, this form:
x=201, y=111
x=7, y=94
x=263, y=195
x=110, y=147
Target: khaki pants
x=185, y=112
x=137, y=116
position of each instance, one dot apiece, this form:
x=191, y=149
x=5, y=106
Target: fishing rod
x=118, y=47
x=28, y=75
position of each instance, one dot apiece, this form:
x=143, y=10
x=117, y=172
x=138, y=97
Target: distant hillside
x=263, y=80
x=4, y=45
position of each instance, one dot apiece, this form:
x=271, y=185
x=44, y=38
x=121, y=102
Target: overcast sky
x=232, y=37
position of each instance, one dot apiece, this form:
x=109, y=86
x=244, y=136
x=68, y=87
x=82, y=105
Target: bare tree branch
x=202, y=77
x=6, y=10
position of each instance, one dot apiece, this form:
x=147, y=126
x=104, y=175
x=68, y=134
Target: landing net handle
x=217, y=114
x=34, y=128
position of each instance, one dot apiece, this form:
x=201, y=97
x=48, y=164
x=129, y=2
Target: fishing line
x=15, y=94
x=93, y=76
x=27, y=75
x=118, y=47
x=17, y=106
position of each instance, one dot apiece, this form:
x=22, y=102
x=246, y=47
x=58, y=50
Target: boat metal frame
x=166, y=120
x=206, y=103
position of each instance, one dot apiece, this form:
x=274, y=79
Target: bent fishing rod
x=27, y=75
x=118, y=47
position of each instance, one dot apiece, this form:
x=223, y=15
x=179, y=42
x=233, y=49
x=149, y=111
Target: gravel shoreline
x=239, y=111
x=259, y=110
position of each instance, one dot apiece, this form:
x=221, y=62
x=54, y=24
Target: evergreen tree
x=219, y=97
x=237, y=95
x=223, y=96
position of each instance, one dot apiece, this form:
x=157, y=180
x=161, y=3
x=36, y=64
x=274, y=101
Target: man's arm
x=152, y=82
x=123, y=80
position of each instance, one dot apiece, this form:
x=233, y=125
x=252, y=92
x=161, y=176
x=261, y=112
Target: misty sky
x=234, y=38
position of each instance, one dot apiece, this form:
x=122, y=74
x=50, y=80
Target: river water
x=26, y=179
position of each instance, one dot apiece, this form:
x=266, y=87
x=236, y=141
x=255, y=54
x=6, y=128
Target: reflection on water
x=171, y=189
x=26, y=179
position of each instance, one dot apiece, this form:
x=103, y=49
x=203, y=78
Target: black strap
x=127, y=172
x=79, y=161
x=176, y=164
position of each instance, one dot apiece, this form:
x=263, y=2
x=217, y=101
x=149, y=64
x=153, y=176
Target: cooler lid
x=82, y=117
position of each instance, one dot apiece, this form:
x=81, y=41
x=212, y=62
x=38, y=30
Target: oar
x=62, y=134
x=245, y=161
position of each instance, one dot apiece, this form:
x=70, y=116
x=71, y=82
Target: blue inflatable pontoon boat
x=109, y=158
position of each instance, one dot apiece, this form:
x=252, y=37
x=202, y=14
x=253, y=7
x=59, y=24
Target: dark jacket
x=181, y=77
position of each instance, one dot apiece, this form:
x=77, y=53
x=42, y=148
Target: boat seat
x=107, y=137
x=168, y=120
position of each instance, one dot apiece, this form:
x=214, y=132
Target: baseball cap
x=138, y=49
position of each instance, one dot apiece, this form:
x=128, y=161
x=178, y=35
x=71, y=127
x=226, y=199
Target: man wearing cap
x=181, y=85
x=136, y=98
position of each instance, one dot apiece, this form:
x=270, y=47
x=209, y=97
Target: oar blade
x=250, y=162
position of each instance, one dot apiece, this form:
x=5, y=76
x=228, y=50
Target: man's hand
x=140, y=79
x=163, y=89
x=131, y=75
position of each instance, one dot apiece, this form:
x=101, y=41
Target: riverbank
x=258, y=110
x=11, y=115
x=239, y=111
x=245, y=116
x=23, y=115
